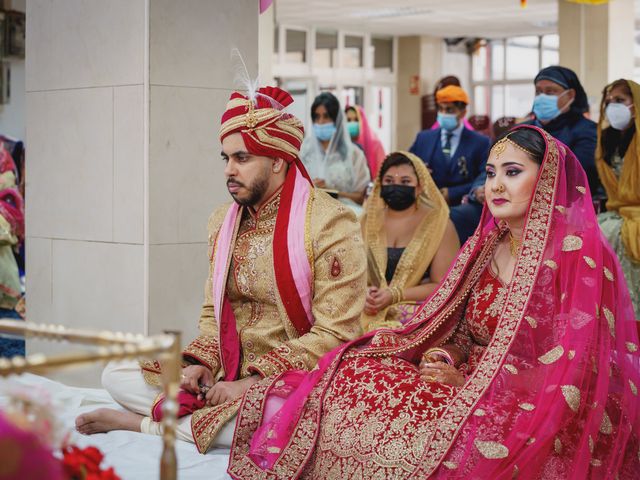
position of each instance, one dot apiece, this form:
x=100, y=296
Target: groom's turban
x=265, y=128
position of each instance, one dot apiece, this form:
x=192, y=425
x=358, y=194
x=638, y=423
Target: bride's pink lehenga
x=553, y=369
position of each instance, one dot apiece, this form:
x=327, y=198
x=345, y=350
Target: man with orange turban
x=286, y=283
x=456, y=157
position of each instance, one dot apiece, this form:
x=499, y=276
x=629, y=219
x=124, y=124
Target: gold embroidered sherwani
x=269, y=342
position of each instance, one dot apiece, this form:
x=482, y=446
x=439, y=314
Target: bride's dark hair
x=529, y=139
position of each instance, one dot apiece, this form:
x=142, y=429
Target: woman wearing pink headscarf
x=363, y=135
x=524, y=363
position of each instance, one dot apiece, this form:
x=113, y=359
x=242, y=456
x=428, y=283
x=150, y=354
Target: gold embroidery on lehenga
x=589, y=261
x=571, y=243
x=520, y=288
x=479, y=412
x=561, y=209
x=491, y=450
x=511, y=369
x=607, y=273
x=531, y=441
x=595, y=462
x=581, y=189
x=450, y=465
x=591, y=444
x=605, y=427
x=557, y=446
x=632, y=347
x=527, y=407
x=531, y=321
x=610, y=321
x=633, y=387
x=571, y=354
x=551, y=264
x=571, y=394
x=552, y=355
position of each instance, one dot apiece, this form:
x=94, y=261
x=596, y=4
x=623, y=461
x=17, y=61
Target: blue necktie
x=447, y=146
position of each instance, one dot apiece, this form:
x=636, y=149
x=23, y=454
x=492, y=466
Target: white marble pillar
x=124, y=100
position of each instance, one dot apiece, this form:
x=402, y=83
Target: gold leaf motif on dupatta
x=632, y=347
x=589, y=261
x=607, y=274
x=595, y=462
x=571, y=354
x=608, y=314
x=581, y=189
x=557, y=446
x=450, y=465
x=527, y=406
x=479, y=412
x=551, y=264
x=591, y=445
x=491, y=450
x=571, y=243
x=633, y=387
x=532, y=321
x=552, y=355
x=561, y=209
x=511, y=369
x=274, y=449
x=572, y=396
x=606, y=427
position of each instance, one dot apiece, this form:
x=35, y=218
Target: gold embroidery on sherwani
x=270, y=343
x=207, y=422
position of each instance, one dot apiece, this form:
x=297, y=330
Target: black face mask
x=398, y=197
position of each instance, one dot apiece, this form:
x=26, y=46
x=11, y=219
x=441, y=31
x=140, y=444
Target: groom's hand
x=193, y=376
x=223, y=392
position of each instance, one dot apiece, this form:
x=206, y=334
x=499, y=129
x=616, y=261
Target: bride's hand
x=441, y=372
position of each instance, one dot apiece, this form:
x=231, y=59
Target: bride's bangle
x=440, y=352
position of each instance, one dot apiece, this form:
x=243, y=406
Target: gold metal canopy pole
x=111, y=346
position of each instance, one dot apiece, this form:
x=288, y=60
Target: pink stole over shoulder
x=291, y=267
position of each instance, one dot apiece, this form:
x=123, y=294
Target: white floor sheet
x=133, y=455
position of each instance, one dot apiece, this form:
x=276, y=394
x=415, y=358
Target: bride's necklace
x=514, y=245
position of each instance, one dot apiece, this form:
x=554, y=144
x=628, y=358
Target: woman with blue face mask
x=618, y=162
x=331, y=158
x=559, y=107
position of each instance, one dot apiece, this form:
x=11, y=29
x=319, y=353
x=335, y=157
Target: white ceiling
x=442, y=18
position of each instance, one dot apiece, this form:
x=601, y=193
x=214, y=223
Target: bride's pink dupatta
x=554, y=396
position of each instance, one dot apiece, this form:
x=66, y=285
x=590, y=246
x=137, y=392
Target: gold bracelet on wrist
x=396, y=295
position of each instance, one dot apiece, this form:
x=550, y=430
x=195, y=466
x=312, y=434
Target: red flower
x=85, y=464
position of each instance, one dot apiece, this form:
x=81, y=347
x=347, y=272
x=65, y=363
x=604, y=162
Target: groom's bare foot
x=107, y=419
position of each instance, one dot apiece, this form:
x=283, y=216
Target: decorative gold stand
x=111, y=346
